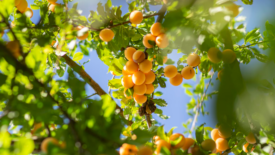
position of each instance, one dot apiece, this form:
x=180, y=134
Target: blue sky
x=174, y=96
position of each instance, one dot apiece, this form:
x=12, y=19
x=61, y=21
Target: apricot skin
x=17, y=2
x=125, y=72
x=208, y=145
x=129, y=52
x=156, y=138
x=22, y=6
x=222, y=144
x=106, y=35
x=146, y=38
x=127, y=82
x=176, y=80
x=138, y=78
x=30, y=10
x=215, y=134
x=140, y=89
x=245, y=148
x=136, y=17
x=156, y=29
x=162, y=41
x=131, y=67
x=127, y=149
x=140, y=99
x=145, y=66
x=188, y=72
x=162, y=143
x=228, y=56
x=176, y=136
x=214, y=55
x=52, y=7
x=170, y=71
x=149, y=89
x=45, y=143
x=165, y=58
x=84, y=36
x=188, y=143
x=250, y=138
x=150, y=77
x=145, y=150
x=193, y=60
x=138, y=56
x=52, y=1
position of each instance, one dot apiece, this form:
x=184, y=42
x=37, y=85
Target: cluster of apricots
x=137, y=74
x=128, y=149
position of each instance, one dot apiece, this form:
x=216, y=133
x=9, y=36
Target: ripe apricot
x=162, y=41
x=146, y=38
x=138, y=78
x=136, y=17
x=215, y=134
x=140, y=99
x=145, y=150
x=127, y=82
x=22, y=6
x=14, y=48
x=176, y=80
x=150, y=77
x=245, y=148
x=222, y=144
x=220, y=74
x=36, y=127
x=165, y=58
x=84, y=36
x=138, y=56
x=47, y=141
x=187, y=72
x=214, y=55
x=156, y=29
x=145, y=66
x=193, y=60
x=162, y=143
x=175, y=136
x=131, y=66
x=52, y=7
x=156, y=138
x=170, y=71
x=228, y=56
x=188, y=143
x=129, y=52
x=128, y=97
x=140, y=89
x=52, y=1
x=106, y=34
x=30, y=11
x=224, y=131
x=128, y=149
x=149, y=89
x=16, y=2
x=195, y=150
x=125, y=72
x=208, y=145
x=234, y=9
x=250, y=138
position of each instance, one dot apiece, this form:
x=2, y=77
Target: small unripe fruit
x=145, y=66
x=193, y=60
x=140, y=99
x=52, y=1
x=106, y=35
x=250, y=138
x=162, y=143
x=138, y=56
x=214, y=55
x=129, y=52
x=187, y=72
x=215, y=134
x=140, y=89
x=156, y=29
x=136, y=17
x=84, y=36
x=176, y=80
x=150, y=77
x=127, y=82
x=22, y=6
x=125, y=72
x=162, y=41
x=234, y=8
x=188, y=143
x=245, y=148
x=208, y=145
x=170, y=71
x=176, y=136
x=131, y=66
x=145, y=150
x=138, y=78
x=228, y=56
x=45, y=143
x=222, y=144
x=146, y=38
x=149, y=89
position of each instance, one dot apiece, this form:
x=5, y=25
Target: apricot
x=208, y=145
x=224, y=131
x=127, y=82
x=228, y=56
x=53, y=42
x=214, y=55
x=36, y=127
x=138, y=56
x=140, y=99
x=188, y=143
x=52, y=7
x=140, y=89
x=106, y=34
x=162, y=143
x=234, y=9
x=30, y=11
x=149, y=89
x=195, y=150
x=176, y=80
x=47, y=141
x=150, y=77
x=156, y=138
x=145, y=66
x=22, y=6
x=222, y=144
x=215, y=134
x=136, y=17
x=84, y=36
x=131, y=66
x=128, y=97
x=52, y=1
x=245, y=148
x=193, y=60
x=156, y=29
x=175, y=136
x=250, y=138
x=165, y=58
x=170, y=71
x=125, y=72
x=145, y=150
x=138, y=78
x=146, y=38
x=16, y=2
x=162, y=41
x=128, y=149
x=188, y=72
x=129, y=52
x=220, y=74
x=2, y=33
x=14, y=48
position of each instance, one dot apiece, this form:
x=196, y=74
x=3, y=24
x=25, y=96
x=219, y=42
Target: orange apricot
x=176, y=80
x=127, y=82
x=125, y=72
x=156, y=29
x=52, y=1
x=131, y=66
x=150, y=77
x=156, y=138
x=165, y=58
x=162, y=41
x=208, y=145
x=30, y=11
x=162, y=143
x=145, y=150
x=146, y=38
x=234, y=8
x=195, y=150
x=149, y=89
x=188, y=143
x=250, y=138
x=129, y=52
x=22, y=6
x=228, y=56
x=140, y=99
x=47, y=141
x=83, y=36
x=214, y=55
x=106, y=34
x=188, y=72
x=170, y=71
x=138, y=56
x=14, y=48
x=138, y=78
x=128, y=97
x=175, y=136
x=145, y=66
x=245, y=148
x=16, y=2
x=222, y=144
x=220, y=74
x=140, y=89
x=53, y=42
x=193, y=60
x=224, y=131
x=52, y=7
x=127, y=149
x=136, y=17
x=215, y=134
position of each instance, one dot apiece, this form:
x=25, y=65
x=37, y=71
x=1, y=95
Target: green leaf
x=84, y=50
x=199, y=133
x=164, y=151
x=114, y=83
x=161, y=83
x=170, y=62
x=186, y=85
x=142, y=135
x=78, y=56
x=171, y=131
x=60, y=72
x=188, y=92
x=24, y=145
x=129, y=92
x=176, y=141
x=108, y=105
x=3, y=79
x=109, y=3
x=161, y=133
x=75, y=5
x=158, y=93
x=160, y=102
x=247, y=2
x=34, y=7
x=252, y=35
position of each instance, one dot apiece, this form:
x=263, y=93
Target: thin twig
x=261, y=42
